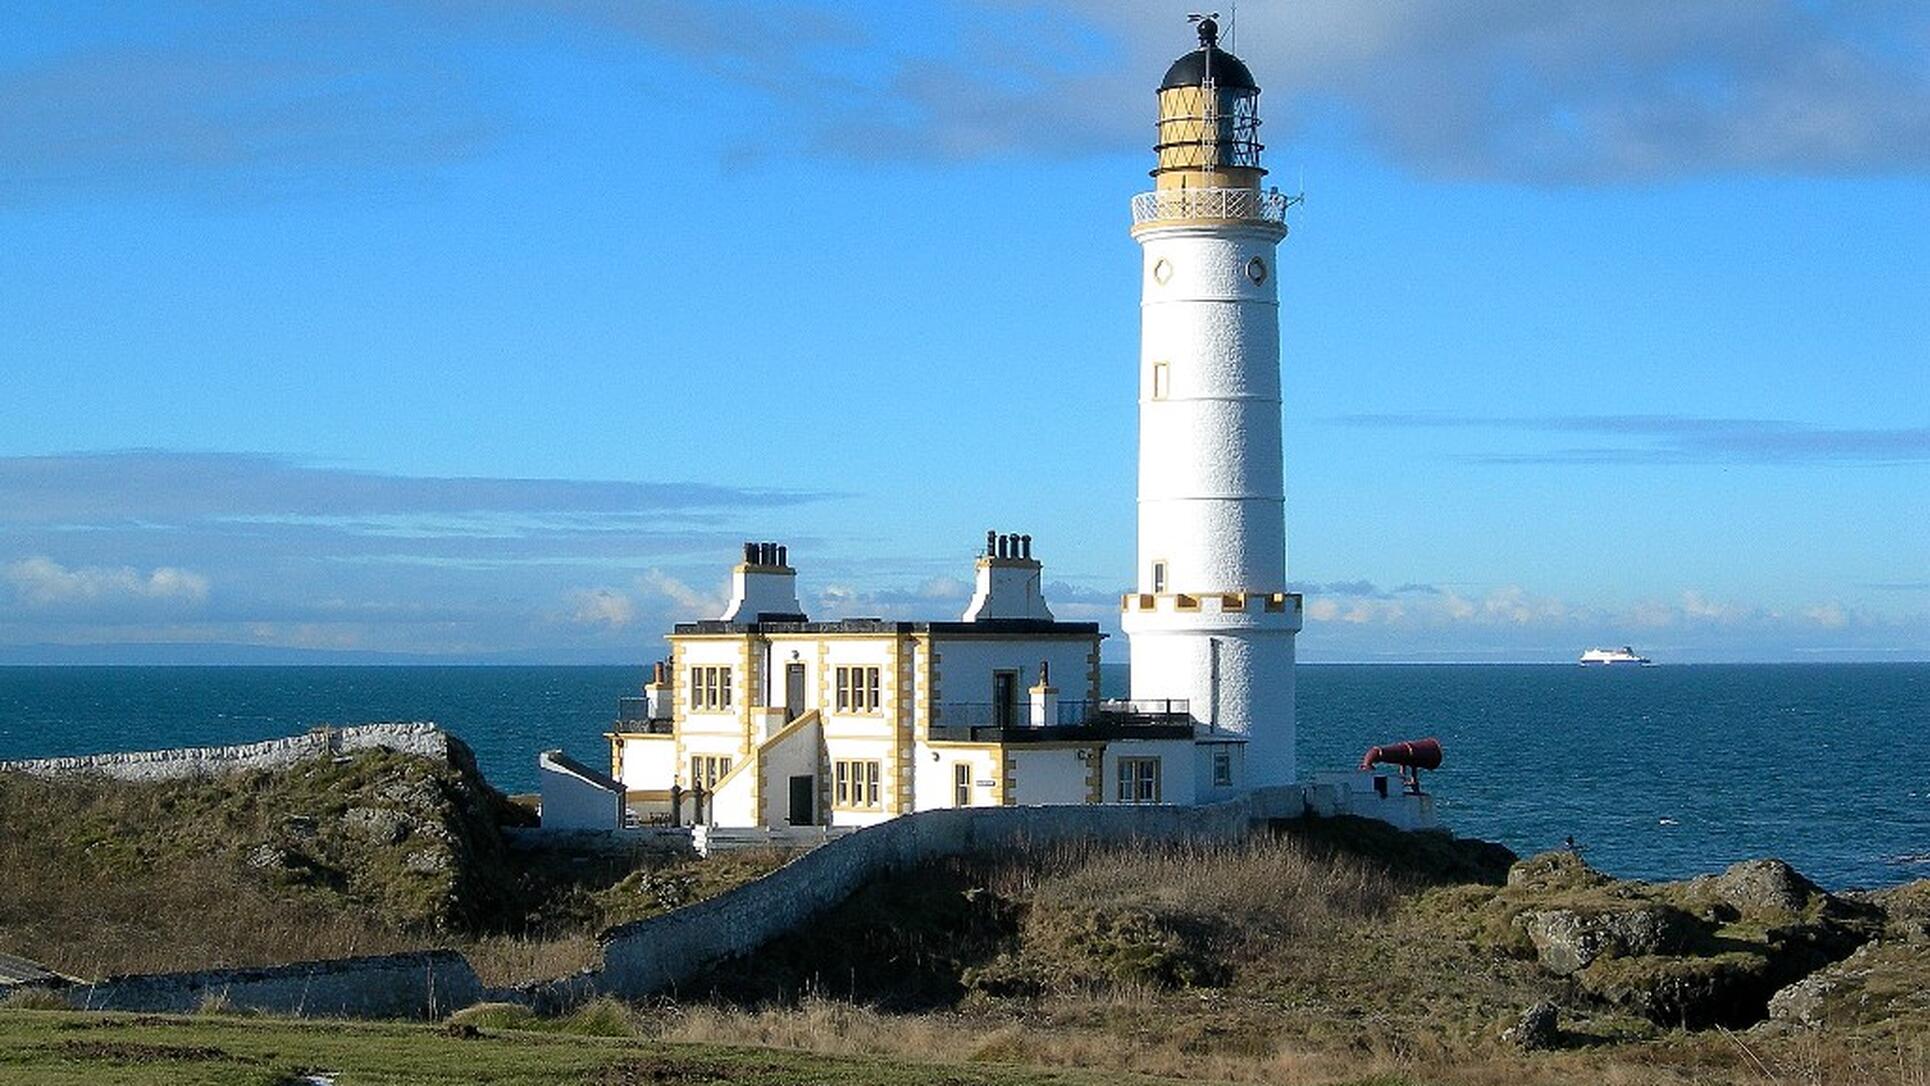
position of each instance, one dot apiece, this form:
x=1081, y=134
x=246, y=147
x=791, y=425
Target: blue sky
x=486, y=330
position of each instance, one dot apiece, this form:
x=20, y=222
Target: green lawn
x=57, y=1048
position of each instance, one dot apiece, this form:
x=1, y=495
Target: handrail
x=1234, y=205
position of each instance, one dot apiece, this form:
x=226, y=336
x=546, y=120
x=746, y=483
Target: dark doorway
x=793, y=692
x=1005, y=698
x=804, y=801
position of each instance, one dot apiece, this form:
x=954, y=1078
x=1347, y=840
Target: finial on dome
x=1208, y=27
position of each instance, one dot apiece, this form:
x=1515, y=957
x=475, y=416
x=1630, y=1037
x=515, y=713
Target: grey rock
x=1804, y=1002
x=378, y=824
x=1567, y=940
x=1538, y=1030
x=270, y=858
x=411, y=795
x=1561, y=870
x=1761, y=884
x=427, y=862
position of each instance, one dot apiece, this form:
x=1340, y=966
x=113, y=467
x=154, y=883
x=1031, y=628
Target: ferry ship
x=1607, y=657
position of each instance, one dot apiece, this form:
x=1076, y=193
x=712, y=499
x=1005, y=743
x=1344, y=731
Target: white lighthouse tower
x=1212, y=621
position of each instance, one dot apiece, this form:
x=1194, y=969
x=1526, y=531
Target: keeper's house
x=784, y=720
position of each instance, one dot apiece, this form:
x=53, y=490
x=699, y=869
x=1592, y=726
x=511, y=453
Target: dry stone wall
x=408, y=737
x=421, y=985
x=653, y=956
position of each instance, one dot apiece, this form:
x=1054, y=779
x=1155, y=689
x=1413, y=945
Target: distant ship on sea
x=1609, y=657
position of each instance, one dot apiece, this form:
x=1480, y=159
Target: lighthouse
x=1211, y=621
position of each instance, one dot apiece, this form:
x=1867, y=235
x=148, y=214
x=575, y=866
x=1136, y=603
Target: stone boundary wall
x=653, y=956
x=408, y=737
x=425, y=984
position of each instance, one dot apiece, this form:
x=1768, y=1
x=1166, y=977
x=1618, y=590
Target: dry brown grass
x=1270, y=886
x=199, y=912
x=842, y=1029
x=1344, y=972
x=508, y=960
x=99, y=878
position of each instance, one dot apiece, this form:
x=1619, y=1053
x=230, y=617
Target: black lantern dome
x=1191, y=70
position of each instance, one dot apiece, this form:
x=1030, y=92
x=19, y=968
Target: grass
x=47, y=1048
x=1329, y=953
x=368, y=855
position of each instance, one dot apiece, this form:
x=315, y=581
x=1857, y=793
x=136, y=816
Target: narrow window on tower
x=1162, y=380
x=1159, y=577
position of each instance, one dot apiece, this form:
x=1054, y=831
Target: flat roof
x=1041, y=627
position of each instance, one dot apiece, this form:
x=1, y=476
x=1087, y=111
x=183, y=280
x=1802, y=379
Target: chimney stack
x=1008, y=580
x=763, y=588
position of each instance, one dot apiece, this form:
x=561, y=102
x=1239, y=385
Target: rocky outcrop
x=1537, y=1030
x=1708, y=951
x=1755, y=886
x=1886, y=981
x=1569, y=940
x=1554, y=872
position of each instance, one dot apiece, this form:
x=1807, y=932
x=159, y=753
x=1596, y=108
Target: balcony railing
x=983, y=720
x=1147, y=710
x=988, y=714
x=1233, y=205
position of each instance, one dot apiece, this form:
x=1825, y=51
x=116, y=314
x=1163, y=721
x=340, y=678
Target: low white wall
x=410, y=737
x=575, y=801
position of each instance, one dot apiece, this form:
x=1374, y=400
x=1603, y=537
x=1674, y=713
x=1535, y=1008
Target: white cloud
x=42, y=582
x=1512, y=606
x=691, y=603
x=1832, y=615
x=602, y=607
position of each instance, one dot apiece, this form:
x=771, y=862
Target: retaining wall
x=427, y=984
x=408, y=737
x=653, y=956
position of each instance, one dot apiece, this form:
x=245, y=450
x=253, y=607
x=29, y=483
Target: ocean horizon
x=1658, y=772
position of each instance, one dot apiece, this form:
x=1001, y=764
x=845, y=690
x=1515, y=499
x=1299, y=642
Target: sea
x=1658, y=772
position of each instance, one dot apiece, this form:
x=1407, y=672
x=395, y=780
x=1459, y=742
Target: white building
x=784, y=720
x=848, y=722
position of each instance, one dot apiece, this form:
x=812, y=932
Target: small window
x=855, y=785
x=1159, y=577
x=707, y=769
x=961, y=784
x=710, y=688
x=1222, y=768
x=1162, y=380
x=858, y=690
x=1138, y=780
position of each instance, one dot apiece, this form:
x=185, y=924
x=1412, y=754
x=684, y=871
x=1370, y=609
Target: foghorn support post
x=1412, y=755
